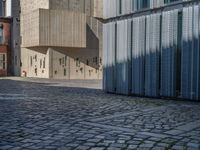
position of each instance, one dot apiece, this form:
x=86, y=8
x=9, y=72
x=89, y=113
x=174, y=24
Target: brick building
x=5, y=51
x=11, y=9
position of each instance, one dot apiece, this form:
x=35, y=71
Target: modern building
x=61, y=39
x=11, y=9
x=5, y=49
x=152, y=48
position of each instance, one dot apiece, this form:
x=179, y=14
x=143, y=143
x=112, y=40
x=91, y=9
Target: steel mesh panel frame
x=138, y=55
x=109, y=8
x=195, y=54
x=190, y=54
x=122, y=58
x=185, y=58
x=152, y=57
x=109, y=46
x=168, y=53
x=198, y=62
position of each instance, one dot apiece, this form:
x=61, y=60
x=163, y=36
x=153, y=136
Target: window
x=31, y=61
x=78, y=62
x=44, y=63
x=81, y=69
x=15, y=60
x=65, y=72
x=170, y=1
x=40, y=63
x=65, y=60
x=100, y=60
x=143, y=4
x=1, y=33
x=35, y=58
x=120, y=6
x=4, y=8
x=90, y=72
x=36, y=71
x=146, y=3
x=96, y=60
x=2, y=61
x=60, y=61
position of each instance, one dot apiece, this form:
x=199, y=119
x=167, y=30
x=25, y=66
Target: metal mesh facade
x=190, y=73
x=169, y=52
x=114, y=8
x=154, y=55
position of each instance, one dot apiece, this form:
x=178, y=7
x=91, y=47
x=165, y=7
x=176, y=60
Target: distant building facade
x=11, y=9
x=5, y=49
x=61, y=39
x=152, y=48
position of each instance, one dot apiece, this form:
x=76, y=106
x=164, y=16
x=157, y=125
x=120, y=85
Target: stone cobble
x=34, y=114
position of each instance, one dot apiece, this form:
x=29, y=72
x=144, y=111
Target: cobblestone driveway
x=43, y=114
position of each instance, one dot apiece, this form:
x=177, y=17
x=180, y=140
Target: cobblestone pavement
x=36, y=114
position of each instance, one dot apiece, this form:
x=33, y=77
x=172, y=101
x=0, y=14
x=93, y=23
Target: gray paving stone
x=6, y=147
x=82, y=147
x=90, y=144
x=121, y=141
x=158, y=148
x=97, y=148
x=36, y=115
x=72, y=145
x=195, y=145
x=192, y=148
x=132, y=146
x=96, y=140
x=176, y=147
x=174, y=132
x=117, y=145
x=113, y=148
x=146, y=145
x=16, y=148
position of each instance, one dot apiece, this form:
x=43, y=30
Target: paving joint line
x=184, y=128
x=149, y=110
x=128, y=130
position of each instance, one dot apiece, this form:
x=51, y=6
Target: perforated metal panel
x=190, y=53
x=138, y=55
x=109, y=8
x=122, y=58
x=168, y=53
x=146, y=55
x=109, y=62
x=195, y=54
x=152, y=57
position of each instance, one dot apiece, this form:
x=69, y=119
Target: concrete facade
x=64, y=35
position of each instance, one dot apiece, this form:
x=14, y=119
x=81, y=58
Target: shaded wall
x=165, y=54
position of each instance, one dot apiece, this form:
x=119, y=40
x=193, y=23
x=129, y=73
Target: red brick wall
x=5, y=49
x=3, y=73
x=5, y=46
x=6, y=32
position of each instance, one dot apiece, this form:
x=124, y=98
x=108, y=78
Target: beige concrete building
x=61, y=39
